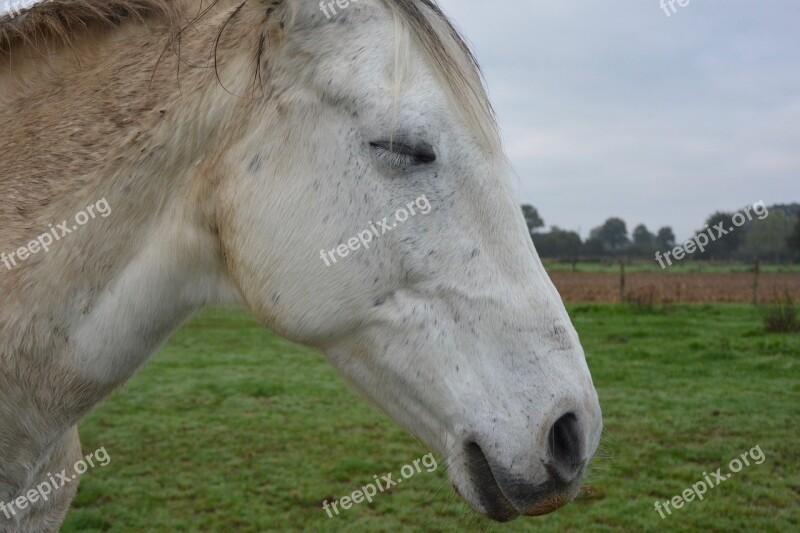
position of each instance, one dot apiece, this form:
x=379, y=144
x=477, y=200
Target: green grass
x=679, y=267
x=232, y=429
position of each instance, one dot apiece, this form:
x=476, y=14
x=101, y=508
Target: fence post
x=755, y=281
x=622, y=281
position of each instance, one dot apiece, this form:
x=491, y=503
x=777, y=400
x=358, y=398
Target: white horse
x=230, y=143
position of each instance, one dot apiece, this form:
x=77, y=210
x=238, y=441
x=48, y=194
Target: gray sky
x=616, y=109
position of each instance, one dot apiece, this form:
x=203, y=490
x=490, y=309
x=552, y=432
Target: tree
x=768, y=238
x=613, y=234
x=725, y=245
x=594, y=246
x=644, y=242
x=532, y=218
x=665, y=239
x=642, y=237
x=794, y=239
x=558, y=243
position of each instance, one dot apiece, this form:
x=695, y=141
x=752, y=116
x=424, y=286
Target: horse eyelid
x=421, y=155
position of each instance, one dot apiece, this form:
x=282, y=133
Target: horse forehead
x=356, y=55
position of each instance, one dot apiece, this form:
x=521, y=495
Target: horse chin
x=547, y=507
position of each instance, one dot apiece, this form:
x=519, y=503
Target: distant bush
x=781, y=315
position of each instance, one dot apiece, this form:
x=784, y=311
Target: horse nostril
x=565, y=443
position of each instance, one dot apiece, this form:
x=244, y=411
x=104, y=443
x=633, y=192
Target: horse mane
x=53, y=23
x=57, y=21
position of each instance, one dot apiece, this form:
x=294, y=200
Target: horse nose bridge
x=534, y=303
x=527, y=311
x=543, y=323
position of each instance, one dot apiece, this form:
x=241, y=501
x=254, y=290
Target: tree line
x=775, y=237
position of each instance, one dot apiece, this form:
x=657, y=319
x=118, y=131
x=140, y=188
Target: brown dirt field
x=576, y=287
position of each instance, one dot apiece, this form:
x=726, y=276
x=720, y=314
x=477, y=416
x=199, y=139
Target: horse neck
x=148, y=144
x=79, y=319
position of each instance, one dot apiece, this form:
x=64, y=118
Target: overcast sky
x=616, y=109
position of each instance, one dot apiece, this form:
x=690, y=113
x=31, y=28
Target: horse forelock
x=453, y=63
x=436, y=34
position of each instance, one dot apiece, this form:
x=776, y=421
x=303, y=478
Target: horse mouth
x=496, y=505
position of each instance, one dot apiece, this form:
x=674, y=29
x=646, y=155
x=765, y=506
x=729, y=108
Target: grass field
x=232, y=429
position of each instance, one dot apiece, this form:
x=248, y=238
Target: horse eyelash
x=400, y=155
x=395, y=159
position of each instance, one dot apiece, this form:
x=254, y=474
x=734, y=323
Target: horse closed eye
x=401, y=154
